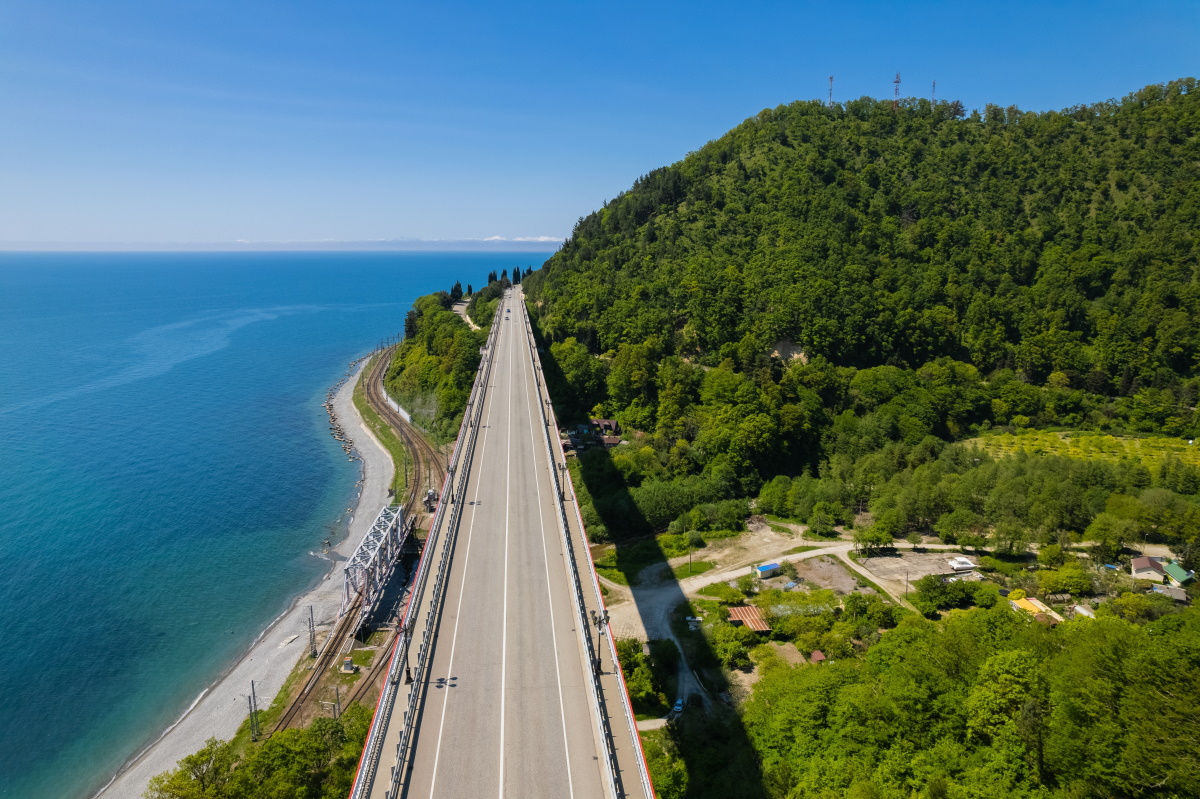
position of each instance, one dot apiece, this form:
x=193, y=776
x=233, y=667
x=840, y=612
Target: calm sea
x=166, y=470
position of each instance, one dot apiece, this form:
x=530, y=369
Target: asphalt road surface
x=507, y=708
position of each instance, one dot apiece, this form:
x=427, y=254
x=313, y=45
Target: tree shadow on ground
x=711, y=741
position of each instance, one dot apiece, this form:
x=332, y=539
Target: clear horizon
x=140, y=124
x=495, y=244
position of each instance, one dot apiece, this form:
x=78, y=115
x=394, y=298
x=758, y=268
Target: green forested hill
x=816, y=310
x=1062, y=241
x=836, y=293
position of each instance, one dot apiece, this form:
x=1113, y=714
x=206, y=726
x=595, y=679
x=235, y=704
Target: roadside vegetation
x=434, y=366
x=315, y=762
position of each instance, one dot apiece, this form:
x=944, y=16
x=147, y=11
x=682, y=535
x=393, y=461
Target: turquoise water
x=166, y=472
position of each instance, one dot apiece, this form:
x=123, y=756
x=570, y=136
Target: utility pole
x=933, y=95
x=312, y=634
x=255, y=731
x=831, y=91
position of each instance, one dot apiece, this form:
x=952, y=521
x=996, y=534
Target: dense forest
x=834, y=294
x=434, y=366
x=835, y=313
x=989, y=704
x=1059, y=242
x=985, y=703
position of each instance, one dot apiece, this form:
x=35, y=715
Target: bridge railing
x=451, y=498
x=550, y=423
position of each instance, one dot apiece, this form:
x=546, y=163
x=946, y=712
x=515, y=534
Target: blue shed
x=767, y=570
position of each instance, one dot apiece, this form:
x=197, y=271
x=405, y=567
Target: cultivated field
x=1088, y=446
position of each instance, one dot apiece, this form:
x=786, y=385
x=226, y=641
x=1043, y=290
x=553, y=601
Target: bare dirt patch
x=826, y=572
x=788, y=651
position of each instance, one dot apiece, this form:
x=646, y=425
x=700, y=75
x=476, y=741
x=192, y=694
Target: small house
x=606, y=427
x=1175, y=592
x=1177, y=575
x=610, y=441
x=1037, y=609
x=766, y=570
x=817, y=656
x=1145, y=568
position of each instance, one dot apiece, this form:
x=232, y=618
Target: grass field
x=697, y=567
x=1084, y=445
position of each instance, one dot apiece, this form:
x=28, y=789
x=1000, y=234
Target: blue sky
x=301, y=121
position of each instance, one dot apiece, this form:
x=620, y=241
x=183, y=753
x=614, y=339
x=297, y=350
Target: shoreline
x=220, y=709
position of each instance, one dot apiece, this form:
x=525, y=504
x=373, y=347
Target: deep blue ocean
x=166, y=471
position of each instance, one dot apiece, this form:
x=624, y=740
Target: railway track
x=325, y=658
x=427, y=469
x=427, y=463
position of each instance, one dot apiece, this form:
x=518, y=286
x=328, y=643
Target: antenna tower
x=831, y=91
x=933, y=96
x=896, y=96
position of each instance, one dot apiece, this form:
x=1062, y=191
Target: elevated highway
x=514, y=690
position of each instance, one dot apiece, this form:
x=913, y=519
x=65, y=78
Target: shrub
x=723, y=592
x=1070, y=579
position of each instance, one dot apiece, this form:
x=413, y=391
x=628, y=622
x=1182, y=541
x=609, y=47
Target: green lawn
x=696, y=567
x=798, y=550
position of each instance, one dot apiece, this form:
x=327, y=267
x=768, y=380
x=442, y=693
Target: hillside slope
x=1061, y=241
x=840, y=292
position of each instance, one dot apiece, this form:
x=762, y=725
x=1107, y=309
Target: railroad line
x=427, y=468
x=333, y=645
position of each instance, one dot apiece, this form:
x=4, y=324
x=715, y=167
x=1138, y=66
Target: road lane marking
x=458, y=610
x=562, y=710
x=504, y=626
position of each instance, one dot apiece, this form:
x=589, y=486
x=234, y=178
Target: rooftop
x=751, y=617
x=1178, y=573
x=1141, y=564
